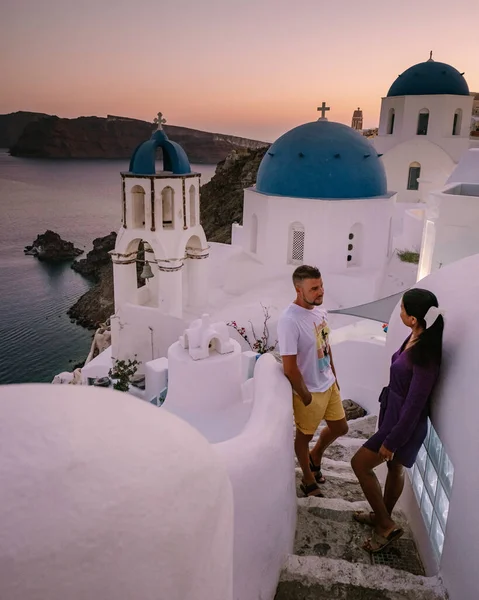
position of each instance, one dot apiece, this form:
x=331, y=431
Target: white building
x=451, y=229
x=424, y=130
x=160, y=216
x=320, y=198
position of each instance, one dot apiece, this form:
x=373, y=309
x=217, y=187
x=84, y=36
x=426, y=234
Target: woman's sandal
x=311, y=490
x=316, y=470
x=378, y=542
x=364, y=518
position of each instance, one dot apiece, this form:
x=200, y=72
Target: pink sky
x=254, y=68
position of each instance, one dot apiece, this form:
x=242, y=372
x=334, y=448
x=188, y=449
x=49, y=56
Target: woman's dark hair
x=428, y=348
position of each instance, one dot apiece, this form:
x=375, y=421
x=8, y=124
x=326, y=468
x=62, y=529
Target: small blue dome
x=143, y=159
x=322, y=159
x=430, y=78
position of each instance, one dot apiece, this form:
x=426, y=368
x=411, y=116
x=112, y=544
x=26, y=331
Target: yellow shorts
x=324, y=405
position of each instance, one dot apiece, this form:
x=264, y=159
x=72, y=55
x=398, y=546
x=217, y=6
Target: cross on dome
x=322, y=109
x=159, y=120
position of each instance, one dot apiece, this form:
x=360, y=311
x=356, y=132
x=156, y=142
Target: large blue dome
x=322, y=159
x=430, y=78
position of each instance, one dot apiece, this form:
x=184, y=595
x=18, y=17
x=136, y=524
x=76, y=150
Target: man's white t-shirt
x=304, y=333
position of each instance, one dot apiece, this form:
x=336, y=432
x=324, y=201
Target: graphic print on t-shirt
x=322, y=344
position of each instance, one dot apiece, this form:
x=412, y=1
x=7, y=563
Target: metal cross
x=159, y=120
x=322, y=109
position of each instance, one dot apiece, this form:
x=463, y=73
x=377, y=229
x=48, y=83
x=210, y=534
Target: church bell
x=146, y=273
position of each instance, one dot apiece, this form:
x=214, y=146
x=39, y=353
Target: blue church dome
x=430, y=78
x=143, y=159
x=322, y=159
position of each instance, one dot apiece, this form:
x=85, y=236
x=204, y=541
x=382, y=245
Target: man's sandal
x=316, y=470
x=365, y=518
x=311, y=490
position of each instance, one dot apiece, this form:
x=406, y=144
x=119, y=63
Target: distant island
x=35, y=135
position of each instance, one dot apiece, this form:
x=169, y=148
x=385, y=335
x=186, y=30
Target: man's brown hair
x=305, y=272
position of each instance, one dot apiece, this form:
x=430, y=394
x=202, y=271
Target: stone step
x=322, y=578
x=337, y=485
x=326, y=528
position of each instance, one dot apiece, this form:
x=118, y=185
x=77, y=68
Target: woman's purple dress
x=402, y=424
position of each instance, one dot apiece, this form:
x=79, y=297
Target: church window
x=192, y=206
x=138, y=206
x=391, y=119
x=423, y=121
x=354, y=258
x=456, y=125
x=432, y=478
x=296, y=244
x=167, y=203
x=254, y=234
x=413, y=176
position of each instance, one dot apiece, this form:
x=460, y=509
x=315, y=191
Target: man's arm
x=290, y=368
x=332, y=366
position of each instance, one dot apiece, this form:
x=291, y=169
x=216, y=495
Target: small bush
x=409, y=256
x=123, y=371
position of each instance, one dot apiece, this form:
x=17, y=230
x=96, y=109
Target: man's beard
x=315, y=303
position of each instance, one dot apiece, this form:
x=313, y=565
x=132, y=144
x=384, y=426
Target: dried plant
x=261, y=344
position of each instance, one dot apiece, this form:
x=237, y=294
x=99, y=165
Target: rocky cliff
x=222, y=197
x=13, y=124
x=117, y=137
x=96, y=305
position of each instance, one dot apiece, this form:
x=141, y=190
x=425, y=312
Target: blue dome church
x=320, y=198
x=424, y=129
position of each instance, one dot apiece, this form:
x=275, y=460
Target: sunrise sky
x=253, y=68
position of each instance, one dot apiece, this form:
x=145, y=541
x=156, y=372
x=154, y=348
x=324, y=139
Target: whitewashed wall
x=436, y=166
x=263, y=488
x=327, y=225
x=100, y=498
x=455, y=416
x=441, y=117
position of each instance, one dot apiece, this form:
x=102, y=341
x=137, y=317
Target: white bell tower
x=160, y=257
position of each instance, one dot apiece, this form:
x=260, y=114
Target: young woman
x=402, y=417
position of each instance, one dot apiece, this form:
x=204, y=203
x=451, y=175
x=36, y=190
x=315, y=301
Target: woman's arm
x=422, y=383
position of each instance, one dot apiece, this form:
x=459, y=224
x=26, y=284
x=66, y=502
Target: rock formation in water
x=117, y=137
x=222, y=197
x=50, y=247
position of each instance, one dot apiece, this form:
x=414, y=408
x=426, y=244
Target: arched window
x=254, y=234
x=137, y=207
x=456, y=125
x=413, y=176
x=167, y=203
x=423, y=121
x=355, y=246
x=192, y=206
x=296, y=244
x=391, y=118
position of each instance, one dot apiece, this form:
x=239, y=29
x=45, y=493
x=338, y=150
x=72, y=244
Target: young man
x=303, y=334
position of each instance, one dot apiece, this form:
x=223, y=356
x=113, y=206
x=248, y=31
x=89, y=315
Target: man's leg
x=336, y=424
x=301, y=447
x=330, y=433
x=363, y=463
x=394, y=485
